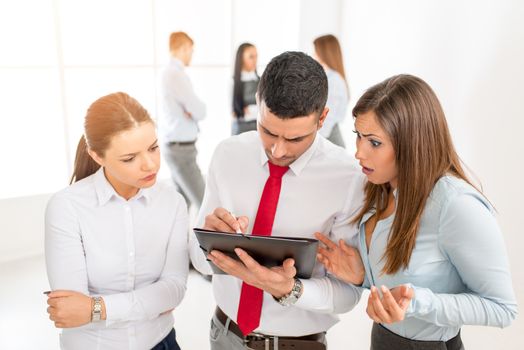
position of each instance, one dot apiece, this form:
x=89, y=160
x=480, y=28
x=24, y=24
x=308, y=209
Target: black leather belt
x=187, y=143
x=261, y=341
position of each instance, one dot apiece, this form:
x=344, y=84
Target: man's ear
x=95, y=157
x=322, y=117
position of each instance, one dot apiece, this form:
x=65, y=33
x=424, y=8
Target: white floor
x=24, y=324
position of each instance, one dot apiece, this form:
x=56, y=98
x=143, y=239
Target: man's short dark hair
x=293, y=85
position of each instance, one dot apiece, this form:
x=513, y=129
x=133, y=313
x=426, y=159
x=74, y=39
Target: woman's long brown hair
x=106, y=117
x=328, y=50
x=411, y=115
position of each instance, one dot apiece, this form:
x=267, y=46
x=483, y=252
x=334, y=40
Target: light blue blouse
x=459, y=268
x=337, y=101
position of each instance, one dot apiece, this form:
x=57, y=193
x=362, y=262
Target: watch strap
x=96, y=311
x=292, y=297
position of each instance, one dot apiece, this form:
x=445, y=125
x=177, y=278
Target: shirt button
x=132, y=254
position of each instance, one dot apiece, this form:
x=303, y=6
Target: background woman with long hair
x=115, y=244
x=329, y=54
x=245, y=84
x=432, y=252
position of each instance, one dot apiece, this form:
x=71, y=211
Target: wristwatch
x=292, y=297
x=96, y=312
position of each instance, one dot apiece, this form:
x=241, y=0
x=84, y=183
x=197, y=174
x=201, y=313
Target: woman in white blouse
x=116, y=249
x=329, y=54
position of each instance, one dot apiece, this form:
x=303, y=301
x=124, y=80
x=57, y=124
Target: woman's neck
x=123, y=190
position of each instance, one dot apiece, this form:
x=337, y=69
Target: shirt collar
x=299, y=164
x=105, y=192
x=372, y=211
x=367, y=215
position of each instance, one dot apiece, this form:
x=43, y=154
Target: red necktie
x=250, y=305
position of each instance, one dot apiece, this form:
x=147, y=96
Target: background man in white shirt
x=321, y=191
x=178, y=122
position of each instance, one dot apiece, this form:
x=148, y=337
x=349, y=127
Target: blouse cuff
x=422, y=302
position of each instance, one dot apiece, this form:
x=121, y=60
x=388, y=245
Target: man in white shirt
x=321, y=189
x=178, y=122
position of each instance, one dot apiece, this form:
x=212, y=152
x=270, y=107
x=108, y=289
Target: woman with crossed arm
x=116, y=240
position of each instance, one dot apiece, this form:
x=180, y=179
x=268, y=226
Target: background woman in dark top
x=245, y=83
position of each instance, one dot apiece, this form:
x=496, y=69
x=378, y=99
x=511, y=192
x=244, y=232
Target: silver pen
x=238, y=230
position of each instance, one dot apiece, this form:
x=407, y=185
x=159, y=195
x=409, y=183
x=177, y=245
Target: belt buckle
x=257, y=336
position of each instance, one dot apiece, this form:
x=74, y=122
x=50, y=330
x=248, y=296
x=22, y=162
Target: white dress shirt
x=321, y=192
x=132, y=253
x=337, y=101
x=178, y=98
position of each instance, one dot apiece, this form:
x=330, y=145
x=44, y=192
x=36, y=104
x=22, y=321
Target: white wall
x=22, y=226
x=318, y=18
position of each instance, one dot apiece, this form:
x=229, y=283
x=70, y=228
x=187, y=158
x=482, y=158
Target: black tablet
x=268, y=251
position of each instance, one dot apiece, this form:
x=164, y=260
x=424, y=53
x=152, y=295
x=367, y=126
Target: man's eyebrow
x=299, y=137
x=287, y=139
x=266, y=129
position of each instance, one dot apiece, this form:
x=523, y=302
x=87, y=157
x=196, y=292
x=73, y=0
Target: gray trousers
x=336, y=137
x=384, y=339
x=221, y=339
x=185, y=172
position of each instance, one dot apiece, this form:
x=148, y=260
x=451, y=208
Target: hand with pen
x=278, y=280
x=225, y=221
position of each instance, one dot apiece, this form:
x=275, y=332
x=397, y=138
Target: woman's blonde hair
x=106, y=117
